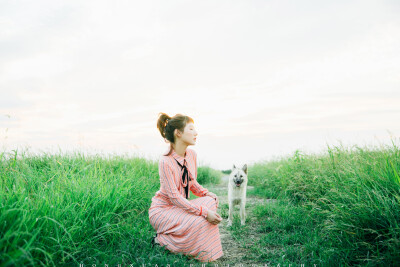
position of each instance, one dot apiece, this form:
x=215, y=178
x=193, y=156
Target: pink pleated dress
x=181, y=223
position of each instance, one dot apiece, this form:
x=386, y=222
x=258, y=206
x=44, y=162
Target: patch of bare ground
x=236, y=252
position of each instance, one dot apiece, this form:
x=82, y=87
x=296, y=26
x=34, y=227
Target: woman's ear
x=177, y=133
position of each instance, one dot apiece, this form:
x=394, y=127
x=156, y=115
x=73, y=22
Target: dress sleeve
x=195, y=187
x=168, y=182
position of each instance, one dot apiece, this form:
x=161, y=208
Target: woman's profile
x=182, y=225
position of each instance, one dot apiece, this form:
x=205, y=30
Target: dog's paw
x=242, y=223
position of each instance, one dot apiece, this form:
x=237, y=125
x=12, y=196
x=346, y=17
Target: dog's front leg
x=230, y=218
x=243, y=212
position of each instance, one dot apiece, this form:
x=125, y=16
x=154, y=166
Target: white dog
x=237, y=185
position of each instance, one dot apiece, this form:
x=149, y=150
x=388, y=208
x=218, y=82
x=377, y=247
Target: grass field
x=338, y=208
x=341, y=207
x=63, y=210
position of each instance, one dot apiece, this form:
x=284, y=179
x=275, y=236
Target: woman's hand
x=213, y=196
x=213, y=217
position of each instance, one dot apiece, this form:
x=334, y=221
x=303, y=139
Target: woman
x=182, y=225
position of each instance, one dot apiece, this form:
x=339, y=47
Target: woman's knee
x=211, y=203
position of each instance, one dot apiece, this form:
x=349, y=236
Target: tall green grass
x=352, y=195
x=208, y=175
x=67, y=209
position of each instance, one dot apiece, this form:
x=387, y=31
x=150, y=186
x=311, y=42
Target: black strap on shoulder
x=185, y=176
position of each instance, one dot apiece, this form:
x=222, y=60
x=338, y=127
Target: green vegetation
x=62, y=210
x=207, y=175
x=341, y=207
x=337, y=208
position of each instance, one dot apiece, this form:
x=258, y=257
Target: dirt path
x=234, y=251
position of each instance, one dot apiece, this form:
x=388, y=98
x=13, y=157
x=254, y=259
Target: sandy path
x=234, y=253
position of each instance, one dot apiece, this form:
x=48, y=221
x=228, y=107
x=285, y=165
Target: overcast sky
x=260, y=78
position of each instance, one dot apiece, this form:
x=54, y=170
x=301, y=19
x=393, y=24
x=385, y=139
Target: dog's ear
x=234, y=167
x=245, y=168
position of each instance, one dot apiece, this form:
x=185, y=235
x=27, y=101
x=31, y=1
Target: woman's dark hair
x=167, y=125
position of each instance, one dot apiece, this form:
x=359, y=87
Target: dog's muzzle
x=238, y=182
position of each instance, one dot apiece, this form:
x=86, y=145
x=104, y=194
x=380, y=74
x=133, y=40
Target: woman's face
x=189, y=134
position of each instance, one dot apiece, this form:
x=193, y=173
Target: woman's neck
x=180, y=149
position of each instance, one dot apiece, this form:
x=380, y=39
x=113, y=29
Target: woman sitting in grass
x=182, y=225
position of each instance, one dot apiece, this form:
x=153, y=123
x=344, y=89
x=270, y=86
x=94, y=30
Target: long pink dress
x=180, y=223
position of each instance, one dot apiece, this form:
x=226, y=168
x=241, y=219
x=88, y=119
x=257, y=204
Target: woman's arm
x=168, y=183
x=197, y=189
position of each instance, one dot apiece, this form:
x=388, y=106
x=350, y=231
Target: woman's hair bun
x=162, y=123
